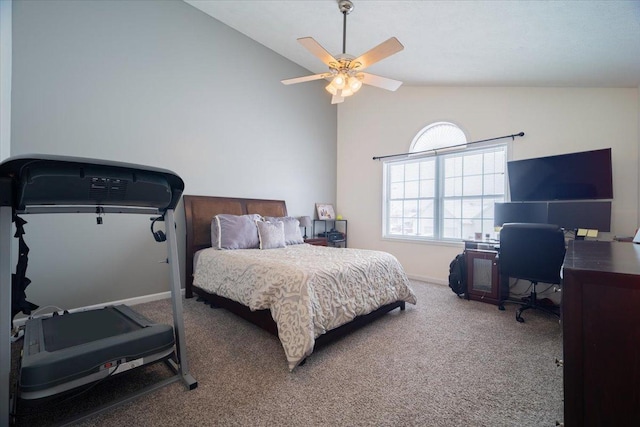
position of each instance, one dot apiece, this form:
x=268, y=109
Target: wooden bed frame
x=199, y=211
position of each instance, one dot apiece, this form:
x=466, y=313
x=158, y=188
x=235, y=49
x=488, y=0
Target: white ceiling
x=457, y=43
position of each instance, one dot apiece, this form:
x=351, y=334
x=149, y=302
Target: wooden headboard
x=200, y=210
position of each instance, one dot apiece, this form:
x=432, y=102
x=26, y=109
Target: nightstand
x=316, y=241
x=329, y=226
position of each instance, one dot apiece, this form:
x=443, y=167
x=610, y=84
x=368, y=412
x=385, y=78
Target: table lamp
x=305, y=221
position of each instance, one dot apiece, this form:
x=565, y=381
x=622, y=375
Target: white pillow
x=234, y=231
x=271, y=234
x=292, y=234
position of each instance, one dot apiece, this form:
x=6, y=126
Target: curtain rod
x=435, y=150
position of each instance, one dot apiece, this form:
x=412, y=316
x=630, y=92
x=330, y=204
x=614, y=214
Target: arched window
x=438, y=135
x=446, y=190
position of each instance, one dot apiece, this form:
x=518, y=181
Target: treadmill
x=65, y=352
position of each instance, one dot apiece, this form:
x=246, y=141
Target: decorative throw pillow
x=292, y=234
x=234, y=231
x=271, y=234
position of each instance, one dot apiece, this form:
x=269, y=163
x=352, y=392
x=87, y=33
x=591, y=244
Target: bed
x=305, y=295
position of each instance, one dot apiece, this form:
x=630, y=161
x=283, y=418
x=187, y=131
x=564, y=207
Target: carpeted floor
x=444, y=362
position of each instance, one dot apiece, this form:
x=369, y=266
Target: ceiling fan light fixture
x=346, y=91
x=331, y=89
x=339, y=81
x=354, y=83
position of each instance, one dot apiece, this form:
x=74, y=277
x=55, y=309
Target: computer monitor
x=571, y=215
x=532, y=212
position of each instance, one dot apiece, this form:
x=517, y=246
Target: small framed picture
x=325, y=211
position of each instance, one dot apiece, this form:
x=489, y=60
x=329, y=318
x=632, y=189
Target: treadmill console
x=58, y=180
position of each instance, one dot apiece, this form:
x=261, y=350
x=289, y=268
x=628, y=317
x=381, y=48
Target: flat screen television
x=585, y=175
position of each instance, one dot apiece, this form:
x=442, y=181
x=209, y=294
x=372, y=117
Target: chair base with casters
x=533, y=302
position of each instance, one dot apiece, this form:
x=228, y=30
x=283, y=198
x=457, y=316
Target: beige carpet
x=444, y=362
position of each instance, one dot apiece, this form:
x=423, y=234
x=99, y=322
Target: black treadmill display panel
x=49, y=184
x=39, y=180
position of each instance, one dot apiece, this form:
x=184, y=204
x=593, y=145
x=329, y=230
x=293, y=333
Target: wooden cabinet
x=483, y=279
x=601, y=334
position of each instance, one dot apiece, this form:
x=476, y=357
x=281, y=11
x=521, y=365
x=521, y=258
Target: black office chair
x=533, y=252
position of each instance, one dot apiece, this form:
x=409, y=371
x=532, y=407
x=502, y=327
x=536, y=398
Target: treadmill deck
x=67, y=351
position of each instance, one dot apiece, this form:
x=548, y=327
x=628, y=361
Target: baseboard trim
x=428, y=279
x=164, y=295
x=129, y=301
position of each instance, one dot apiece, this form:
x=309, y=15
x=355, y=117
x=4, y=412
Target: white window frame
x=410, y=224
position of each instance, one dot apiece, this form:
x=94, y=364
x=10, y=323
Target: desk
x=601, y=334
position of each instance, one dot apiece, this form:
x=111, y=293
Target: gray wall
x=162, y=84
x=5, y=78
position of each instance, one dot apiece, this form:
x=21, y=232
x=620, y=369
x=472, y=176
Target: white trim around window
x=447, y=197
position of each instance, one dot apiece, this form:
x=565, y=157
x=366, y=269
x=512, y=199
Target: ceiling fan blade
x=337, y=99
x=378, y=53
x=305, y=78
x=315, y=48
x=381, y=82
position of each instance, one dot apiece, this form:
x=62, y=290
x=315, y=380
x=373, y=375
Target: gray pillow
x=292, y=234
x=234, y=231
x=271, y=234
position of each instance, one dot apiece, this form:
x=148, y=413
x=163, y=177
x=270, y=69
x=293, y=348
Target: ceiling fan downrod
x=345, y=6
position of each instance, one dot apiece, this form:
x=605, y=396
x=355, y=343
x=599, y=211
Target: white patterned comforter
x=308, y=289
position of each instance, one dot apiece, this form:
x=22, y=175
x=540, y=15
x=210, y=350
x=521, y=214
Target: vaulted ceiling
x=456, y=43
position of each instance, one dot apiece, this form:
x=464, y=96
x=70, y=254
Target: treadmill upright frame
x=11, y=176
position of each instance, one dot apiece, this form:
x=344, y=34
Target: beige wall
x=554, y=120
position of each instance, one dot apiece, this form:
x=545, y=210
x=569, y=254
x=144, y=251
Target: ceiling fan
x=345, y=71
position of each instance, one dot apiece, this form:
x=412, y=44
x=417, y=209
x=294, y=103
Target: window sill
x=449, y=243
